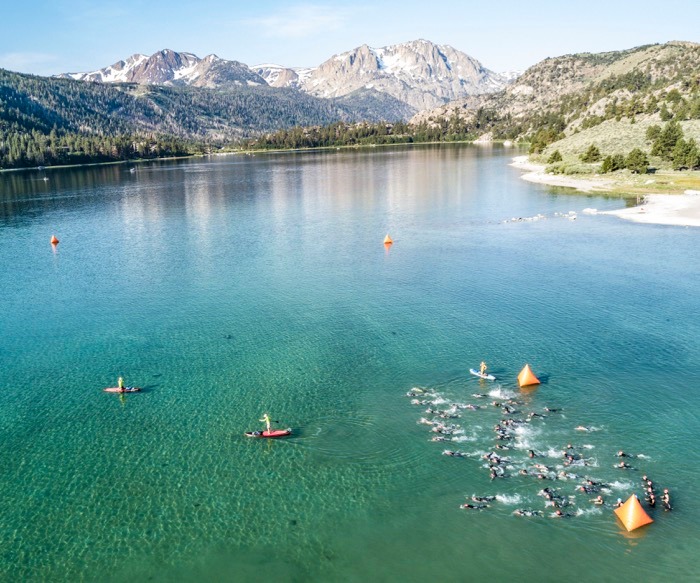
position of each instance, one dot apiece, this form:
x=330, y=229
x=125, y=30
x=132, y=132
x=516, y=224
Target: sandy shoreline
x=536, y=173
x=682, y=210
x=660, y=209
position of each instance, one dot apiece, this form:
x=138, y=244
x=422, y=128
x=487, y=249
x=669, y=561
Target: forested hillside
x=568, y=95
x=62, y=121
x=605, y=100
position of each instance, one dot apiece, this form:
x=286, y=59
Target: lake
x=233, y=286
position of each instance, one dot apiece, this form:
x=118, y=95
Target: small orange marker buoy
x=632, y=515
x=54, y=240
x=387, y=240
x=527, y=377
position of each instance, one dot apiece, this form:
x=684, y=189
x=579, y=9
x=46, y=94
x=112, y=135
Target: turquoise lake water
x=232, y=286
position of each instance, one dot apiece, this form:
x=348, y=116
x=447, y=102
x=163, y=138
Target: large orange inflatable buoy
x=387, y=240
x=527, y=377
x=632, y=515
x=54, y=240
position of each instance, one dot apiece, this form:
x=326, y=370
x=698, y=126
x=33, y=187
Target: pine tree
x=554, y=157
x=591, y=155
x=637, y=161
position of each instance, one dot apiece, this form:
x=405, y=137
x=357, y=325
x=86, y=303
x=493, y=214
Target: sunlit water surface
x=232, y=286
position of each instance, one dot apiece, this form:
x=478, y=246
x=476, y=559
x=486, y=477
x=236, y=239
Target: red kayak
x=273, y=433
x=123, y=390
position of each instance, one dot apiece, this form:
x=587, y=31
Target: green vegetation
x=591, y=155
x=554, y=157
x=61, y=121
x=685, y=155
x=574, y=111
x=444, y=129
x=613, y=163
x=637, y=162
x=25, y=149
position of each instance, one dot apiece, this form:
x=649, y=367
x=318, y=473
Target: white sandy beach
x=536, y=173
x=661, y=209
x=664, y=209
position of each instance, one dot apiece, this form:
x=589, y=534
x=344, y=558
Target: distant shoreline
x=90, y=164
x=670, y=208
x=259, y=151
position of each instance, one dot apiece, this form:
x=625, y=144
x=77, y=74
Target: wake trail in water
x=532, y=446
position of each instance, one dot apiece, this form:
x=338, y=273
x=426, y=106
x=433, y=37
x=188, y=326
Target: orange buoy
x=632, y=515
x=527, y=377
x=54, y=240
x=387, y=240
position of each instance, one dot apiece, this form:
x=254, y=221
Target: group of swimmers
x=506, y=433
x=650, y=494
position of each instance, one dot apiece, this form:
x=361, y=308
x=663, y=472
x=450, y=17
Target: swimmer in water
x=526, y=512
x=550, y=410
x=598, y=501
x=453, y=453
x=548, y=493
x=582, y=428
x=623, y=454
x=666, y=500
x=623, y=466
x=493, y=473
x=559, y=514
x=476, y=498
x=618, y=503
x=474, y=506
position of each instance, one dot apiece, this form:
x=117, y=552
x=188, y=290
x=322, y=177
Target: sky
x=46, y=37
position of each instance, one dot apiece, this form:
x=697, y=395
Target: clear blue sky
x=56, y=36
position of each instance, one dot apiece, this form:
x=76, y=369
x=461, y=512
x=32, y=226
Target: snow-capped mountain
x=279, y=76
x=169, y=67
x=420, y=74
x=510, y=76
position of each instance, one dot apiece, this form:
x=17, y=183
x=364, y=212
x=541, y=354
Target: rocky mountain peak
x=420, y=73
x=168, y=67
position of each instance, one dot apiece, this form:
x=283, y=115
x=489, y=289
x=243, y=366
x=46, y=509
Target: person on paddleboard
x=266, y=420
x=120, y=383
x=482, y=367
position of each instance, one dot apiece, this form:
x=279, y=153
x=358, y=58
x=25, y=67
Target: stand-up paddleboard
x=124, y=390
x=273, y=433
x=488, y=377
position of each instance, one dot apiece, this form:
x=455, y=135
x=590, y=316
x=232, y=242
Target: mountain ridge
x=419, y=73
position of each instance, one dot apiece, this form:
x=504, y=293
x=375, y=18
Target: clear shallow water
x=238, y=285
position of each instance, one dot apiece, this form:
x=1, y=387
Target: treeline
x=47, y=121
x=28, y=149
x=28, y=102
x=667, y=144
x=451, y=128
x=668, y=87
